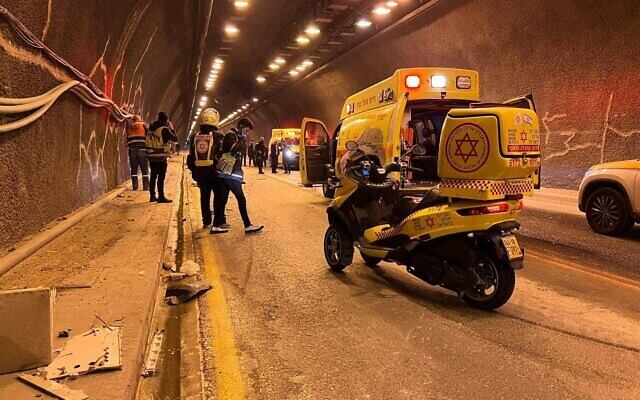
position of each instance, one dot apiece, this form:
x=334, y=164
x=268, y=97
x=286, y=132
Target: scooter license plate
x=513, y=248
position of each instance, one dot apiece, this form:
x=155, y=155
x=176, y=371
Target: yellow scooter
x=465, y=245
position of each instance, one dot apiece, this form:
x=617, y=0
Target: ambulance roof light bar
x=438, y=81
x=412, y=81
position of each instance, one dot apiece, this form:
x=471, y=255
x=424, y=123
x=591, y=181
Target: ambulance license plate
x=513, y=248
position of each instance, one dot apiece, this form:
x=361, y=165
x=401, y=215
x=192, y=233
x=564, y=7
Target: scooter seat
x=407, y=206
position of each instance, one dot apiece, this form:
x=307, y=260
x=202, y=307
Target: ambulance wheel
x=370, y=261
x=338, y=249
x=608, y=213
x=497, y=280
x=328, y=191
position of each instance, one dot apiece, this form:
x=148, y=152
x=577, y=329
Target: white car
x=610, y=196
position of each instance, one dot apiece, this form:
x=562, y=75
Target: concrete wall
x=142, y=53
x=580, y=59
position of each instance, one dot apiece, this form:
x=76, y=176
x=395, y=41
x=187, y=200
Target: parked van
x=439, y=108
x=291, y=151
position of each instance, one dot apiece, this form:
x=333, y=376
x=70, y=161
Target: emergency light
x=438, y=81
x=463, y=82
x=412, y=81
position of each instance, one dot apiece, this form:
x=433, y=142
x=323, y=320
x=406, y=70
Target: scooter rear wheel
x=499, y=281
x=338, y=249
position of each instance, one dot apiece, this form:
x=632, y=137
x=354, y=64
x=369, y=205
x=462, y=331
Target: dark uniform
x=202, y=163
x=158, y=144
x=274, y=157
x=261, y=155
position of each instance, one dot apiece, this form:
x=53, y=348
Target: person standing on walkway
x=274, y=156
x=260, y=154
x=230, y=177
x=251, y=153
x=137, y=143
x=285, y=151
x=159, y=138
x=201, y=161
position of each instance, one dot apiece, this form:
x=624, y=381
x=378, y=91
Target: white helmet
x=210, y=117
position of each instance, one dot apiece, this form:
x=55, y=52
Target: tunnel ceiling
x=267, y=30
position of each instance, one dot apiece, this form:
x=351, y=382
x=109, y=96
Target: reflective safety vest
x=157, y=149
x=136, y=133
x=203, y=145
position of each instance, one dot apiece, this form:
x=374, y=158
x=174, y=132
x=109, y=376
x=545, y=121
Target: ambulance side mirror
x=351, y=145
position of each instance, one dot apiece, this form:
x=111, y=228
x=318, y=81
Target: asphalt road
x=303, y=332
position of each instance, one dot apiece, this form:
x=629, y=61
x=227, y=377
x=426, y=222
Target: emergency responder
x=274, y=150
x=137, y=142
x=285, y=148
x=159, y=139
x=202, y=159
x=260, y=154
x=230, y=177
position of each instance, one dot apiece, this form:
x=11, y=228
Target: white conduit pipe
x=42, y=239
x=10, y=106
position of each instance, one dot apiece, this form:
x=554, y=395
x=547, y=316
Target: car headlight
x=288, y=153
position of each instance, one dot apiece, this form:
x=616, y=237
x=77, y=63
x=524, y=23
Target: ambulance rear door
x=314, y=152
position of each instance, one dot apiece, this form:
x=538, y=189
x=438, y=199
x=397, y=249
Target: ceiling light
x=255, y=100
x=312, y=30
x=381, y=10
x=218, y=61
x=280, y=60
x=301, y=68
x=363, y=23
x=302, y=40
x=307, y=63
x=244, y=107
x=261, y=79
x=392, y=4
x=203, y=98
x=241, y=4
x=274, y=66
x=231, y=29
x=293, y=72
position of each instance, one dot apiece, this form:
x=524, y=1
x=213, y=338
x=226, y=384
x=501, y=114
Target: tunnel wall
x=142, y=54
x=579, y=58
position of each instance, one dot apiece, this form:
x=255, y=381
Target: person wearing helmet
x=202, y=158
x=137, y=143
x=159, y=138
x=230, y=174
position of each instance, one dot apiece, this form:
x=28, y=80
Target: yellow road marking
x=605, y=276
x=229, y=383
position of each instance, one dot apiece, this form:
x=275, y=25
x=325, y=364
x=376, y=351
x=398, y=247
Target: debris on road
x=176, y=276
x=25, y=329
x=181, y=293
x=52, y=388
x=96, y=350
x=64, y=333
x=153, y=355
x=169, y=266
x=190, y=268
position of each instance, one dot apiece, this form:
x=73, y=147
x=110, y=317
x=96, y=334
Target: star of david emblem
x=472, y=151
x=523, y=136
x=429, y=222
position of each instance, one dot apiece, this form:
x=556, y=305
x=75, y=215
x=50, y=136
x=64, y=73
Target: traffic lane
x=570, y=236
x=379, y=333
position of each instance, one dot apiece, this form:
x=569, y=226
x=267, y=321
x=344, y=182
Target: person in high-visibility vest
x=137, y=143
x=203, y=149
x=159, y=138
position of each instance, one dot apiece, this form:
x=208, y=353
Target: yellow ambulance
x=290, y=151
x=411, y=107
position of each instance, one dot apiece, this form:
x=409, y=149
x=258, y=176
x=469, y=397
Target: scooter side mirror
x=351, y=145
x=418, y=150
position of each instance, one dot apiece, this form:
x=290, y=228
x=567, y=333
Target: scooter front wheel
x=338, y=249
x=497, y=280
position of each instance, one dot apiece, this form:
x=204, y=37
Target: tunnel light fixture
x=293, y=72
x=244, y=107
x=363, y=23
x=231, y=29
x=307, y=63
x=301, y=68
x=261, y=79
x=392, y=4
x=255, y=100
x=218, y=61
x=312, y=30
x=280, y=61
x=438, y=81
x=302, y=40
x=274, y=67
x=240, y=4
x=381, y=10
x=217, y=67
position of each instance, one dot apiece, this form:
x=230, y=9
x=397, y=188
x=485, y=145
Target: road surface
x=285, y=327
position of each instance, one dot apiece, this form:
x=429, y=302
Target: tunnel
x=73, y=74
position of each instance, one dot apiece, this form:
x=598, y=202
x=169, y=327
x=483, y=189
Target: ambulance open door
x=314, y=152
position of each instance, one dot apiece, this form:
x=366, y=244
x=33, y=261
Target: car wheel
x=608, y=213
x=338, y=248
